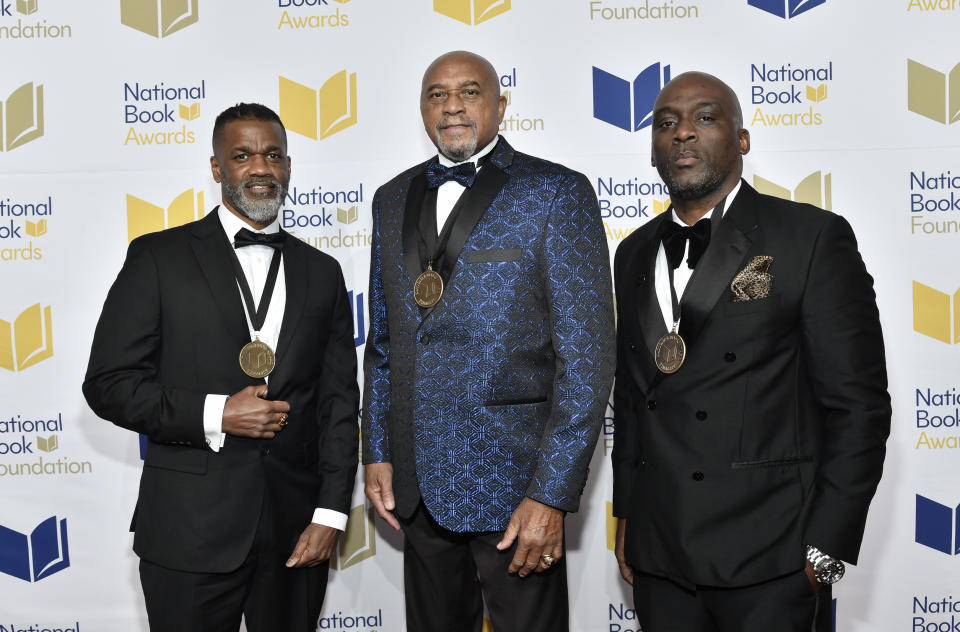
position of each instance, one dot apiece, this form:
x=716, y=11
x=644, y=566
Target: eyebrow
x=248, y=150
x=466, y=84
x=700, y=104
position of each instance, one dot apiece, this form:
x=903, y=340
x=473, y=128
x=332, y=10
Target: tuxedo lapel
x=295, y=274
x=649, y=315
x=411, y=213
x=212, y=250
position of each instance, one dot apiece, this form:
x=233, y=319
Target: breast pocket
x=492, y=255
x=740, y=308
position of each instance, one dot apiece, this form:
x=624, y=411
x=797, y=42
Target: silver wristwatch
x=826, y=569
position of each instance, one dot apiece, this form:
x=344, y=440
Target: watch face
x=829, y=571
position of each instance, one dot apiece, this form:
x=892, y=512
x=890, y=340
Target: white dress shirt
x=450, y=191
x=255, y=262
x=683, y=272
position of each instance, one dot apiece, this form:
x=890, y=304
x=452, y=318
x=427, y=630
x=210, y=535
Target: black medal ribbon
x=257, y=313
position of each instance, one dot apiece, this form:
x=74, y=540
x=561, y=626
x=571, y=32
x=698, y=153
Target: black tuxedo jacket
x=771, y=435
x=170, y=333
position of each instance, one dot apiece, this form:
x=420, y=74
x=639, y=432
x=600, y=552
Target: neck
x=257, y=225
x=691, y=211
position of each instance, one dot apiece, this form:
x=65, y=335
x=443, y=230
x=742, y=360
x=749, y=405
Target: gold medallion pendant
x=257, y=359
x=428, y=288
x=670, y=353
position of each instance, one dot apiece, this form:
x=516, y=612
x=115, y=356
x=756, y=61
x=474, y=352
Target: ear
x=744, y=139
x=501, y=108
x=215, y=169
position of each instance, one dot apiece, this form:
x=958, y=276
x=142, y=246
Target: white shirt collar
x=730, y=198
x=446, y=162
x=231, y=223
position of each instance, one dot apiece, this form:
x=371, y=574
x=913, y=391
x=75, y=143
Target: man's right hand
x=625, y=569
x=248, y=414
x=378, y=485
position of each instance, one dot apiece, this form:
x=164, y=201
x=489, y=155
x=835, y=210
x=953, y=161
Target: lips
x=685, y=157
x=260, y=188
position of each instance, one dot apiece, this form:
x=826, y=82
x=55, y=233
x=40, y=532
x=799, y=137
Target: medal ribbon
x=257, y=313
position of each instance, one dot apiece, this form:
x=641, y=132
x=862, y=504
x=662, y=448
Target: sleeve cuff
x=330, y=518
x=213, y=420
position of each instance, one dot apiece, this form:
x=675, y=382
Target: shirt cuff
x=213, y=420
x=330, y=518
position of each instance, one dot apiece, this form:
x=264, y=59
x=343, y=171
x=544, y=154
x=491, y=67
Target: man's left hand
x=314, y=547
x=538, y=531
x=813, y=578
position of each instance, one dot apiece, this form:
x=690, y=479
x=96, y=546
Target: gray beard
x=458, y=156
x=260, y=211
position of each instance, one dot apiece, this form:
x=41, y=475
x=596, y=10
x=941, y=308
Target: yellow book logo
x=816, y=189
x=189, y=112
x=26, y=7
x=21, y=117
x=933, y=94
x=471, y=11
x=48, y=444
x=611, y=527
x=37, y=229
x=347, y=215
x=935, y=313
x=158, y=18
x=144, y=217
x=817, y=94
x=319, y=113
x=659, y=206
x=28, y=340
x=506, y=95
x=359, y=541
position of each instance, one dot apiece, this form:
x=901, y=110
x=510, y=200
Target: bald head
x=464, y=57
x=706, y=83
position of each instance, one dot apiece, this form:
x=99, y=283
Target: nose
x=259, y=165
x=453, y=104
x=684, y=131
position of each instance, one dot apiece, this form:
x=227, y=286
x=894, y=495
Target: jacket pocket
x=514, y=402
x=760, y=464
x=179, y=459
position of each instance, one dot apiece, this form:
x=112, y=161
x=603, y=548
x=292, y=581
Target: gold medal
x=257, y=359
x=428, y=288
x=671, y=352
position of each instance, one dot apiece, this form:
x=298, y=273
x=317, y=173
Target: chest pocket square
x=754, y=281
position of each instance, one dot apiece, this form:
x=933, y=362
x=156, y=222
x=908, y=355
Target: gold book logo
x=21, y=117
x=936, y=314
x=471, y=11
x=319, y=113
x=37, y=229
x=659, y=206
x=816, y=189
x=48, y=444
x=347, y=215
x=144, y=217
x=190, y=112
x=508, y=96
x=817, y=94
x=158, y=18
x=933, y=94
x=359, y=541
x=26, y=7
x=611, y=527
x=28, y=340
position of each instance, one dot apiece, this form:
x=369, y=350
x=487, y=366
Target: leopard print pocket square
x=753, y=281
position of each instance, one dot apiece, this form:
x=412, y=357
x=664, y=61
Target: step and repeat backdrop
x=106, y=110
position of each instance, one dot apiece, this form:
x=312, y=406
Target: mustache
x=261, y=180
x=445, y=123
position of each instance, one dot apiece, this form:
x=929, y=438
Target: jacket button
x=730, y=356
x=701, y=415
x=633, y=347
x=651, y=404
x=698, y=476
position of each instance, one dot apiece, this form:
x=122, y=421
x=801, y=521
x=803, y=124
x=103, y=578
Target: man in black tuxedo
x=751, y=414
x=248, y=473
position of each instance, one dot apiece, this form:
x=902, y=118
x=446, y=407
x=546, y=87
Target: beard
x=709, y=180
x=457, y=155
x=259, y=210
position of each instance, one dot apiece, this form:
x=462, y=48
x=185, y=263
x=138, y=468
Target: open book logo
x=26, y=7
x=190, y=112
x=37, y=229
x=628, y=107
x=816, y=94
x=347, y=215
x=471, y=11
x=933, y=94
x=41, y=554
x=936, y=314
x=28, y=340
x=359, y=541
x=611, y=527
x=785, y=8
x=144, y=217
x=48, y=444
x=318, y=114
x=937, y=526
x=21, y=116
x=815, y=189
x=659, y=206
x=158, y=18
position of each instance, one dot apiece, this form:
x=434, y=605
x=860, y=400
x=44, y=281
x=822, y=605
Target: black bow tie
x=465, y=173
x=246, y=237
x=675, y=238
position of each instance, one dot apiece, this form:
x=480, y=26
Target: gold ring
x=283, y=420
x=548, y=559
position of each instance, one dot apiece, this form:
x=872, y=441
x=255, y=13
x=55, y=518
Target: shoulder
x=527, y=166
x=315, y=258
x=402, y=179
x=169, y=238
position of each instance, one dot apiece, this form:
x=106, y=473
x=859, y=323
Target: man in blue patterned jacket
x=488, y=364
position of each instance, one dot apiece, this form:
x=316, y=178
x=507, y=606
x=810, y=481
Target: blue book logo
x=936, y=527
x=359, y=328
x=612, y=97
x=785, y=8
x=42, y=553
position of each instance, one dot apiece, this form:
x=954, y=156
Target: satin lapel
x=650, y=316
x=211, y=249
x=295, y=274
x=411, y=213
x=721, y=261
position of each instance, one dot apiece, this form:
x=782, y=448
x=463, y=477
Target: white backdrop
x=80, y=173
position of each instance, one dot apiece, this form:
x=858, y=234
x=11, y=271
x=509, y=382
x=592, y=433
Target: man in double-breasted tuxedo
x=251, y=455
x=488, y=362
x=751, y=404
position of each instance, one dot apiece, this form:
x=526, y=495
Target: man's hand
x=378, y=486
x=813, y=578
x=248, y=414
x=314, y=547
x=538, y=530
x=625, y=571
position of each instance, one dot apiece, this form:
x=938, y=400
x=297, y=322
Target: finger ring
x=283, y=420
x=548, y=559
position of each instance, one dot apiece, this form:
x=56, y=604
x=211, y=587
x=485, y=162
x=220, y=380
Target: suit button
x=698, y=476
x=701, y=415
x=265, y=452
x=730, y=356
x=651, y=404
x=633, y=347
x=425, y=339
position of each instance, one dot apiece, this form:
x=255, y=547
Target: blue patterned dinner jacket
x=498, y=392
